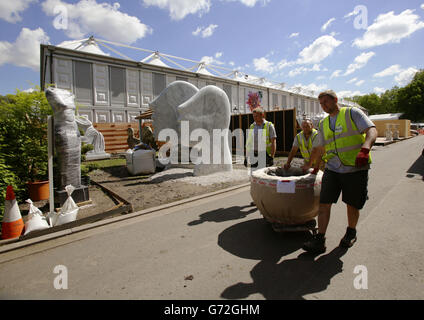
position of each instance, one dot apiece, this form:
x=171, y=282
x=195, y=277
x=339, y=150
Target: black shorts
x=354, y=188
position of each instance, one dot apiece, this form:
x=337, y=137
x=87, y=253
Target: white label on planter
x=286, y=187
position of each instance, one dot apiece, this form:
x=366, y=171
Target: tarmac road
x=220, y=248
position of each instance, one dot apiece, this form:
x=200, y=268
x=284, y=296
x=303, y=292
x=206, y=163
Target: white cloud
x=359, y=83
x=359, y=62
x=335, y=74
x=422, y=6
x=284, y=63
x=352, y=80
x=88, y=17
x=207, y=59
x=294, y=34
x=296, y=71
x=197, y=31
x=11, y=10
x=302, y=69
x=394, y=69
x=403, y=76
x=251, y=3
x=25, y=51
x=179, y=9
x=350, y=14
x=205, y=32
x=312, y=87
x=327, y=24
x=348, y=93
x=389, y=28
x=231, y=63
x=213, y=59
x=264, y=65
x=406, y=76
x=379, y=90
x=320, y=49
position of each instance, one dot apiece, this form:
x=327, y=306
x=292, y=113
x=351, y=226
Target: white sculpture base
x=97, y=156
x=205, y=169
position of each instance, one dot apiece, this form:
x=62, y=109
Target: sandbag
x=36, y=220
x=140, y=161
x=287, y=197
x=68, y=212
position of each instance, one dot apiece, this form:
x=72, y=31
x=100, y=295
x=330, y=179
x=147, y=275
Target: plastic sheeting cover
x=67, y=136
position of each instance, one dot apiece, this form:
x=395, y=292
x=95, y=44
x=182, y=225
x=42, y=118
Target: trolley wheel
x=268, y=223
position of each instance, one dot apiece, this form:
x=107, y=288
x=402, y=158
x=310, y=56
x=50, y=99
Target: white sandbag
x=69, y=210
x=36, y=220
x=287, y=197
x=140, y=161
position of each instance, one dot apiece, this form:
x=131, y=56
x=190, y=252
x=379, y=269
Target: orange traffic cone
x=13, y=224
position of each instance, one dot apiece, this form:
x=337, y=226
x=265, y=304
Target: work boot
x=316, y=244
x=349, y=238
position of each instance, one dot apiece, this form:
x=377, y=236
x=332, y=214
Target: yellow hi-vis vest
x=265, y=135
x=345, y=141
x=306, y=147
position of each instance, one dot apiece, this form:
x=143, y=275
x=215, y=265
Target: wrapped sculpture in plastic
x=287, y=197
x=66, y=135
x=93, y=137
x=192, y=112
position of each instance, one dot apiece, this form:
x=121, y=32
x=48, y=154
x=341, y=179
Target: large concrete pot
x=287, y=197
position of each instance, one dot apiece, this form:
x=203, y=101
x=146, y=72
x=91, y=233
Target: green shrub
x=85, y=147
x=23, y=141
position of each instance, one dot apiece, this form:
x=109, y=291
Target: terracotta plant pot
x=39, y=190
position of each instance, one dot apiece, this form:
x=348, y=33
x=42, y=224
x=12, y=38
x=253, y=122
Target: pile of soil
x=146, y=191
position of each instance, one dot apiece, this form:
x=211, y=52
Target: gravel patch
x=186, y=175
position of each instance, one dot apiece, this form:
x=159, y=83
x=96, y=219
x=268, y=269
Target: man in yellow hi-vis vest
x=303, y=142
x=345, y=139
x=261, y=141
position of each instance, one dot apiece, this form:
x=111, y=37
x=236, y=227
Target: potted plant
x=24, y=140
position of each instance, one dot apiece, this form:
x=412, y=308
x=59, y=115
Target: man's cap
x=330, y=93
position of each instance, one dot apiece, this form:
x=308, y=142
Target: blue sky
x=353, y=47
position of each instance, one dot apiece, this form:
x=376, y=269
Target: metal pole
x=50, y=147
x=139, y=127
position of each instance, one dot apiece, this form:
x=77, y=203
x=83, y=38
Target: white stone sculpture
x=182, y=105
x=388, y=133
x=93, y=137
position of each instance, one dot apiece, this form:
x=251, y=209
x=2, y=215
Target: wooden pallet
x=116, y=135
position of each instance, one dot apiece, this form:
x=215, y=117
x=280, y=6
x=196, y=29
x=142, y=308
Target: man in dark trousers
x=261, y=141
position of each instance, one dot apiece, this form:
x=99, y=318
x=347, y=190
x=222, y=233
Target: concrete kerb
x=13, y=244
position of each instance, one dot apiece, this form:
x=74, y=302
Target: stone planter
x=287, y=197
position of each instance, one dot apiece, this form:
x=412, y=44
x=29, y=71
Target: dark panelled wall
x=284, y=122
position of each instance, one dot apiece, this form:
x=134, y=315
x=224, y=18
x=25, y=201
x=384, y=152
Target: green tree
x=389, y=101
x=371, y=102
x=411, y=98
